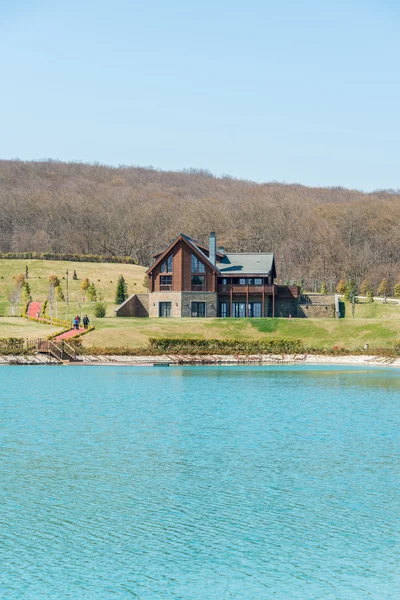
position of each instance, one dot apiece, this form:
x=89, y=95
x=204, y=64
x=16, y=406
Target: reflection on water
x=199, y=483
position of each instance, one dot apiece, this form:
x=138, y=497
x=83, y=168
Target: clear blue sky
x=301, y=91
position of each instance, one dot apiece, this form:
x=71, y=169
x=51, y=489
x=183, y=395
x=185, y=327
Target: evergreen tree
x=146, y=281
x=122, y=290
x=370, y=296
x=74, y=276
x=324, y=289
x=397, y=290
x=351, y=291
x=341, y=287
x=384, y=288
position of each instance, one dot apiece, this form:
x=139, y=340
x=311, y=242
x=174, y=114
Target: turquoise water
x=199, y=483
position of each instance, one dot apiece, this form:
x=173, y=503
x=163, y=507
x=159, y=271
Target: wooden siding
x=181, y=271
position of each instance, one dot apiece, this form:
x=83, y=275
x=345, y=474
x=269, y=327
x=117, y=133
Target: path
x=68, y=334
x=34, y=309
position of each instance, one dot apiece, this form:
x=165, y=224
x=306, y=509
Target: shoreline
x=213, y=359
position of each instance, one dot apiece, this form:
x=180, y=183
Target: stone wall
x=174, y=297
x=316, y=306
x=210, y=298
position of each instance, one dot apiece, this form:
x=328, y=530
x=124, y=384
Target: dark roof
x=261, y=263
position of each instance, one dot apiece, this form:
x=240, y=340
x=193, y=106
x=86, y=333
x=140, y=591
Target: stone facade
x=181, y=303
x=210, y=299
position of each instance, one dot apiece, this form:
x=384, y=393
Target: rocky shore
x=213, y=359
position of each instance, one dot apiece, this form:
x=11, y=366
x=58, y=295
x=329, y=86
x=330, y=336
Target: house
x=189, y=279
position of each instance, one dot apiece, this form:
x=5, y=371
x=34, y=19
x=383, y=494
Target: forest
x=319, y=235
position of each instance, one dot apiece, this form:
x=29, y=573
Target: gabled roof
x=199, y=245
x=182, y=237
x=262, y=263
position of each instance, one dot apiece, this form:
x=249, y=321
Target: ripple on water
x=199, y=483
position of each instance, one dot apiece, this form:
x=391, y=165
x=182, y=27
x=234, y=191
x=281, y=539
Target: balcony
x=166, y=287
x=244, y=289
x=198, y=288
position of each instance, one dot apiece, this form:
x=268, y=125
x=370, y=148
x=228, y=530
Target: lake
x=199, y=483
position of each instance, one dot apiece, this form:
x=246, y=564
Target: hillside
x=317, y=233
x=103, y=275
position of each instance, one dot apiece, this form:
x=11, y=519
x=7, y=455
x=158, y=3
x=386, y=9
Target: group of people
x=77, y=322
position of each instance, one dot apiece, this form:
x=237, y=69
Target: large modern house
x=189, y=279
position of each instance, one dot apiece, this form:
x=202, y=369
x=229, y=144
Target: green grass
x=319, y=333
x=18, y=327
x=103, y=275
x=374, y=310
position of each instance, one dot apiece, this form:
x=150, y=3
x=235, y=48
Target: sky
x=298, y=91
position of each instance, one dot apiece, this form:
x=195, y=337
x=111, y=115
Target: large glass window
x=239, y=309
x=166, y=266
x=224, y=309
x=198, y=309
x=197, y=265
x=164, y=309
x=255, y=310
x=198, y=283
x=242, y=281
x=258, y=281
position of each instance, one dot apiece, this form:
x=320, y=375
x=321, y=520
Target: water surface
x=199, y=483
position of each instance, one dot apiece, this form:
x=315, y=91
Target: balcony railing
x=166, y=287
x=244, y=289
x=198, y=288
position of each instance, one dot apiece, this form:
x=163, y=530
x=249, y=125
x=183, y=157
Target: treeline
x=318, y=234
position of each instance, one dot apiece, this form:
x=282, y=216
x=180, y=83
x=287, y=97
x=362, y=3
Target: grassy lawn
x=103, y=275
x=16, y=327
x=322, y=333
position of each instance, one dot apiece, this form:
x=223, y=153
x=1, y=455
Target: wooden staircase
x=61, y=351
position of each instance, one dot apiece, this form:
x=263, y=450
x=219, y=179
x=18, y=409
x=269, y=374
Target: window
x=255, y=310
x=198, y=309
x=242, y=281
x=224, y=281
x=166, y=282
x=166, y=266
x=197, y=265
x=258, y=281
x=198, y=283
x=164, y=309
x=224, y=309
x=238, y=309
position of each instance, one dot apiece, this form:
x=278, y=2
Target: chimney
x=213, y=248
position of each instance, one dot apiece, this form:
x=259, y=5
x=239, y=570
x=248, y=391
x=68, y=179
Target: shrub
x=99, y=310
x=212, y=346
x=97, y=258
x=146, y=281
x=397, y=290
x=74, y=276
x=370, y=296
x=324, y=289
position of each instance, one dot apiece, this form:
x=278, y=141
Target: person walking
x=86, y=321
x=76, y=323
